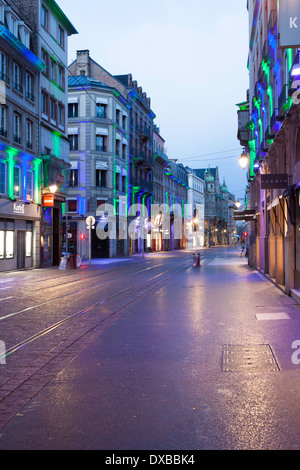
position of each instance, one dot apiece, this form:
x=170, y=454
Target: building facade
x=160, y=163
x=273, y=147
x=20, y=162
x=175, y=199
x=140, y=137
x=98, y=123
x=218, y=208
x=51, y=29
x=195, y=199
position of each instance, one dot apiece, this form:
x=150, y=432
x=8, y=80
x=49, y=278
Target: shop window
x=9, y=246
x=28, y=243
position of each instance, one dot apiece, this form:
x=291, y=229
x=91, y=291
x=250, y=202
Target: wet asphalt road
x=145, y=367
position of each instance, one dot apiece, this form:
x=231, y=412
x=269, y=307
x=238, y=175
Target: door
x=20, y=249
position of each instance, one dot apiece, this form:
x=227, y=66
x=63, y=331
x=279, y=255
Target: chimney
x=83, y=63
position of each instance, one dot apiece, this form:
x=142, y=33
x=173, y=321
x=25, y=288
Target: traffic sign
x=68, y=225
x=90, y=221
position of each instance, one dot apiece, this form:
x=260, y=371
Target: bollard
x=72, y=262
x=196, y=260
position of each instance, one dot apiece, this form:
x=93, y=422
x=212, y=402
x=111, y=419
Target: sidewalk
x=155, y=379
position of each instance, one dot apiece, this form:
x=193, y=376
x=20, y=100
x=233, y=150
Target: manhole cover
x=258, y=357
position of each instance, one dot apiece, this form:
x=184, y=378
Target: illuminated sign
x=19, y=208
x=274, y=181
x=48, y=201
x=289, y=23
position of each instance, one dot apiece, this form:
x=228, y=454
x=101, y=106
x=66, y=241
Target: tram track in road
x=70, y=274
x=102, y=301
x=63, y=276
x=23, y=382
x=64, y=284
x=65, y=296
x=42, y=362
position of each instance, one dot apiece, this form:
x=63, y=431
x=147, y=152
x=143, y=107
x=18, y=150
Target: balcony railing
x=101, y=148
x=3, y=132
x=283, y=99
x=29, y=96
x=141, y=183
x=17, y=139
x=101, y=114
x=4, y=78
x=18, y=87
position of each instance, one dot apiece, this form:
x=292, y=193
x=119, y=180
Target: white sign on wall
x=289, y=23
x=19, y=208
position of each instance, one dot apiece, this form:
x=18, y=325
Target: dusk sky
x=191, y=60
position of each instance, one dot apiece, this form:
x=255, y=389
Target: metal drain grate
x=257, y=357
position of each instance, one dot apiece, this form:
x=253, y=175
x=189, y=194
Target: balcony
x=161, y=157
x=3, y=132
x=265, y=51
x=30, y=96
x=283, y=101
x=101, y=148
x=145, y=133
x=272, y=21
x=4, y=78
x=18, y=87
x=142, y=184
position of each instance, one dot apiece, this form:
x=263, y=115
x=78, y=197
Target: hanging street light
x=244, y=160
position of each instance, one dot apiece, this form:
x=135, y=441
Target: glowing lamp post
x=244, y=160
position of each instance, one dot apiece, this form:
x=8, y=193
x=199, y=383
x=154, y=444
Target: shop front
x=19, y=235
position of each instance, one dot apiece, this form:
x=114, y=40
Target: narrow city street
x=149, y=353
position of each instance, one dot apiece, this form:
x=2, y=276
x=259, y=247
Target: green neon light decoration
x=289, y=55
x=270, y=95
x=10, y=170
x=261, y=130
x=37, y=181
x=56, y=143
x=266, y=69
x=252, y=148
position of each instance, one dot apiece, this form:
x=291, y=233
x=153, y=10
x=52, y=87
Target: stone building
x=140, y=137
x=98, y=126
x=51, y=29
x=217, y=203
x=273, y=147
x=160, y=163
x=20, y=161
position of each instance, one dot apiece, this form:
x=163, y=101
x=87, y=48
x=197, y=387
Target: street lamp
x=238, y=204
x=53, y=188
x=243, y=160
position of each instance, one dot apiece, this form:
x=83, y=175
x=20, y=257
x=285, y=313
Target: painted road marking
x=272, y=316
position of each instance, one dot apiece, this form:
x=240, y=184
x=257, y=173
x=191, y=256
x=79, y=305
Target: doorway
x=20, y=249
